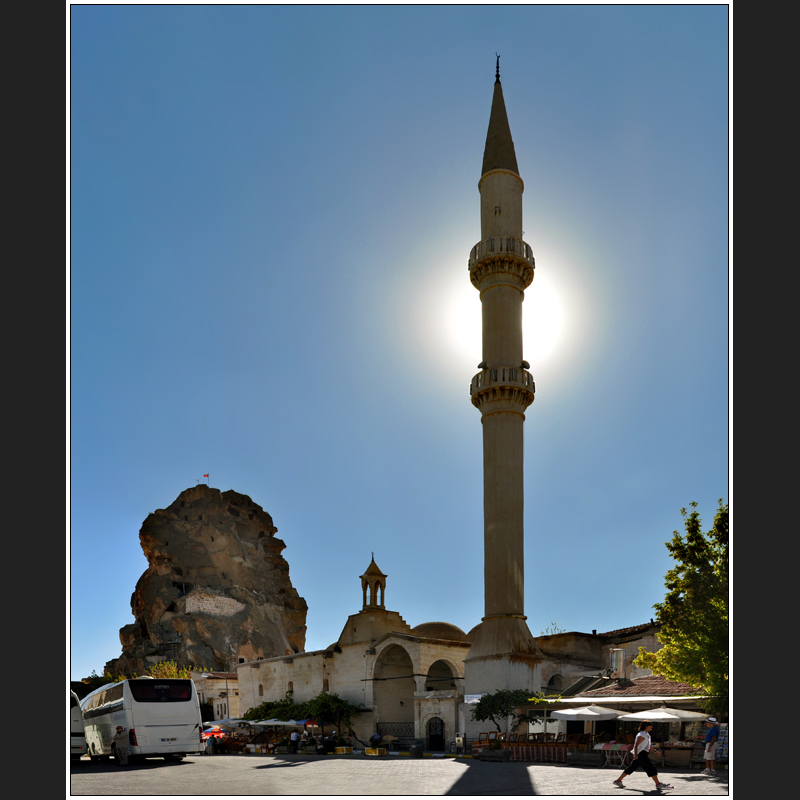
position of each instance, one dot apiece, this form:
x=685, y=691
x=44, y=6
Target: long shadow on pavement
x=482, y=778
x=99, y=767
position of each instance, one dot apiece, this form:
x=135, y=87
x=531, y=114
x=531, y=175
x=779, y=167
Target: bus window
x=173, y=691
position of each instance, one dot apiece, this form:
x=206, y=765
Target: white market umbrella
x=586, y=713
x=283, y=722
x=664, y=714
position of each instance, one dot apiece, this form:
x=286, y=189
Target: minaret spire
x=499, y=151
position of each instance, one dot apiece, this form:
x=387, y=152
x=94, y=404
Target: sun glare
x=543, y=321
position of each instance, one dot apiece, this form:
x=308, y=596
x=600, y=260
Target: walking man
x=641, y=757
x=710, y=754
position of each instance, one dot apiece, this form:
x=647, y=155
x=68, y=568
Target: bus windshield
x=159, y=691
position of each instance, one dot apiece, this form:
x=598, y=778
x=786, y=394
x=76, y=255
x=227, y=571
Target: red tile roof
x=649, y=685
x=628, y=631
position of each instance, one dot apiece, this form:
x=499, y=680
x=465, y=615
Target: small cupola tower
x=373, y=586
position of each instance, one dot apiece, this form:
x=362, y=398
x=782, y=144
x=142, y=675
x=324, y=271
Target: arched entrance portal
x=393, y=692
x=436, y=734
x=440, y=677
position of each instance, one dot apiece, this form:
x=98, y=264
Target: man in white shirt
x=641, y=757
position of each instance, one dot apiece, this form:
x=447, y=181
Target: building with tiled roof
x=648, y=686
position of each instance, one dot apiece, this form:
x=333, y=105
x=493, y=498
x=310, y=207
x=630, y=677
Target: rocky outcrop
x=217, y=588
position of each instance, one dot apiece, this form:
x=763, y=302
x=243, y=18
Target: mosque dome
x=440, y=630
x=470, y=637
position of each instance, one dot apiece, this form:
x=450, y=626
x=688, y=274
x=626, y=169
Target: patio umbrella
x=664, y=714
x=586, y=713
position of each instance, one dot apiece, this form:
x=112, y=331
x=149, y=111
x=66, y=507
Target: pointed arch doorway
x=436, y=734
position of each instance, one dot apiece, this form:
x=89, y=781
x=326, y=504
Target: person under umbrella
x=641, y=757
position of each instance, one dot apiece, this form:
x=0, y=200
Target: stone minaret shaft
x=501, y=267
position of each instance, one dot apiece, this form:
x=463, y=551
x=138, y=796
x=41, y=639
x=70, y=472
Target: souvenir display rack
x=722, y=747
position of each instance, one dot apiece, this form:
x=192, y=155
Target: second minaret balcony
x=513, y=388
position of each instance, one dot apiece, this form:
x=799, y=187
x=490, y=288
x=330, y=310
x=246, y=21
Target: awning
x=656, y=698
x=586, y=713
x=664, y=714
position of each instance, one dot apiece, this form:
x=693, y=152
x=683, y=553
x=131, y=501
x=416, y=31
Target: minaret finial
x=497, y=74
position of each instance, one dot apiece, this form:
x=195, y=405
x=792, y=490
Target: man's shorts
x=711, y=752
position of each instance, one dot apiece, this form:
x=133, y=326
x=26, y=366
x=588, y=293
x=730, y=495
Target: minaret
x=504, y=654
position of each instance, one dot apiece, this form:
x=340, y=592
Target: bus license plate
x=170, y=740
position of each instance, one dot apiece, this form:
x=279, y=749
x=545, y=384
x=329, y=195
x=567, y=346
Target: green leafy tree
x=694, y=614
x=95, y=681
x=498, y=706
x=331, y=708
x=284, y=709
x=324, y=708
x=169, y=669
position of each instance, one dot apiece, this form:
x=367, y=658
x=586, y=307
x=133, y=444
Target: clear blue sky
x=271, y=213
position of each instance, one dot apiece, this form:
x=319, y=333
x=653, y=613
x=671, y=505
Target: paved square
x=359, y=775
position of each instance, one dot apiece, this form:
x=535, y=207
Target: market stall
x=676, y=750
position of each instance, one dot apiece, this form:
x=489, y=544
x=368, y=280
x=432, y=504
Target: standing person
x=121, y=746
x=641, y=757
x=710, y=754
x=295, y=739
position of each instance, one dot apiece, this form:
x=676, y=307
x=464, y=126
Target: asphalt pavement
x=237, y=775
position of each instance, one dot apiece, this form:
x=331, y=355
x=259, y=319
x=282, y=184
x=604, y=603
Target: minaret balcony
x=501, y=245
x=511, y=387
x=501, y=259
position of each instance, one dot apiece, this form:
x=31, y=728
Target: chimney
x=617, y=663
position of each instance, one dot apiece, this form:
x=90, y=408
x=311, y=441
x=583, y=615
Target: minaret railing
x=502, y=376
x=499, y=245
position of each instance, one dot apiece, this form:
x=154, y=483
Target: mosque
x=420, y=681
x=412, y=682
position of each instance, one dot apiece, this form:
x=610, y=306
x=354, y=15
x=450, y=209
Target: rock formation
x=216, y=590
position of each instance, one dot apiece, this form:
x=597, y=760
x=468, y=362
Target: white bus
x=77, y=736
x=161, y=717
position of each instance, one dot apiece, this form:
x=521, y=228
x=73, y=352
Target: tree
x=331, y=708
x=169, y=669
x=285, y=709
x=501, y=705
x=95, y=681
x=694, y=614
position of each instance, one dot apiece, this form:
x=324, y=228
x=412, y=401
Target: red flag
x=205, y=476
